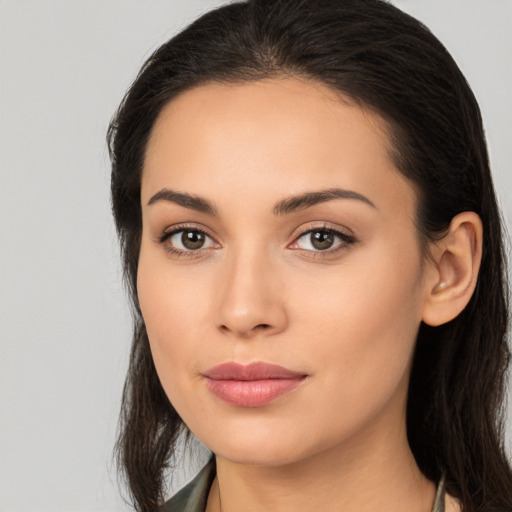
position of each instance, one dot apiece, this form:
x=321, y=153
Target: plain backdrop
x=65, y=326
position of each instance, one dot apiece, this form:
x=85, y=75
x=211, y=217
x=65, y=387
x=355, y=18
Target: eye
x=182, y=241
x=322, y=240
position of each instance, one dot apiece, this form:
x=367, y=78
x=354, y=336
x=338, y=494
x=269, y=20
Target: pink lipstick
x=252, y=385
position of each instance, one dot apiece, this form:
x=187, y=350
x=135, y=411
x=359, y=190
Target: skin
x=259, y=290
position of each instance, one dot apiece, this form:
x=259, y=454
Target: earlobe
x=454, y=272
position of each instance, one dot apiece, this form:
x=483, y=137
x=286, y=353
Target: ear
x=452, y=278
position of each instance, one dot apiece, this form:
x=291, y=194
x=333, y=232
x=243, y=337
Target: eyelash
x=178, y=252
x=345, y=239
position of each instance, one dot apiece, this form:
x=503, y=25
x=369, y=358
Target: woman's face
x=277, y=230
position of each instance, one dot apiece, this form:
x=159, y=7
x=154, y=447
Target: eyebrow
x=308, y=199
x=186, y=200
x=283, y=207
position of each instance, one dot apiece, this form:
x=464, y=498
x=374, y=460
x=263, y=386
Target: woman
x=313, y=248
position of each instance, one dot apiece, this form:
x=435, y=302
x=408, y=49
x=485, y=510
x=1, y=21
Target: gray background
x=65, y=326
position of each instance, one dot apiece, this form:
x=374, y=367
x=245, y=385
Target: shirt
x=193, y=497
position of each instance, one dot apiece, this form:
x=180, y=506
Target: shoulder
x=193, y=497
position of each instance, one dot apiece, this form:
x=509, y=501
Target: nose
x=251, y=300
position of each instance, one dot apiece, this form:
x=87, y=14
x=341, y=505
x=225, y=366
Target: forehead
x=281, y=104
x=273, y=135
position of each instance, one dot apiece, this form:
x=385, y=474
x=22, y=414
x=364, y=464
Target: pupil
x=321, y=240
x=192, y=239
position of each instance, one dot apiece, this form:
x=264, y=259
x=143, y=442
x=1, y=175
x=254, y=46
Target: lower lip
x=252, y=393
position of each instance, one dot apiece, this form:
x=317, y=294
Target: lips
x=253, y=385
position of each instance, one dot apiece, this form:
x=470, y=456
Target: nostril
x=258, y=327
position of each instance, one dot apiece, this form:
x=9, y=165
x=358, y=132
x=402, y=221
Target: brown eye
x=192, y=240
x=187, y=240
x=321, y=240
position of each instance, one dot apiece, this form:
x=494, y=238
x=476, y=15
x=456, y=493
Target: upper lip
x=252, y=371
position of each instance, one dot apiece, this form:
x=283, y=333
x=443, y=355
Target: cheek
x=174, y=311
x=377, y=289
x=364, y=319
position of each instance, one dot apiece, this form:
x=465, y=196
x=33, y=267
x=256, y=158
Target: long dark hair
x=389, y=62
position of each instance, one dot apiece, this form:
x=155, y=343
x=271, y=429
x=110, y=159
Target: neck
x=373, y=471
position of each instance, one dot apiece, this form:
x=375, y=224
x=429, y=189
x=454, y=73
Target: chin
x=249, y=456
x=258, y=447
